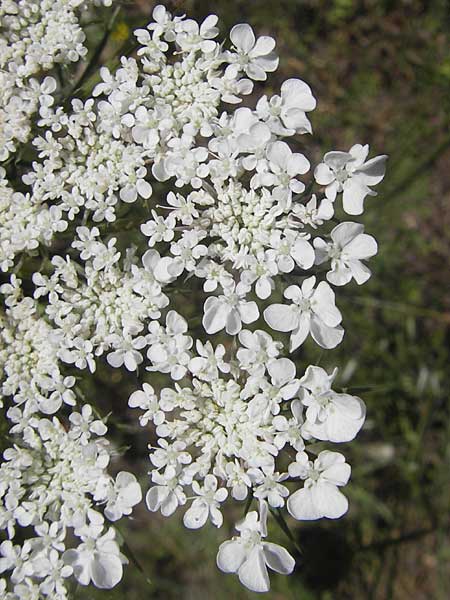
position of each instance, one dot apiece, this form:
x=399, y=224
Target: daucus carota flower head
x=223, y=212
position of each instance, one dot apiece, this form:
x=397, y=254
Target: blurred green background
x=380, y=70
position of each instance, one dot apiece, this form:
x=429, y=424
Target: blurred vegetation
x=380, y=70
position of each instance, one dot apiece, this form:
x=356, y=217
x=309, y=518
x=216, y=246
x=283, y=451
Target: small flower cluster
x=241, y=227
x=54, y=479
x=34, y=36
x=24, y=223
x=103, y=308
x=53, y=483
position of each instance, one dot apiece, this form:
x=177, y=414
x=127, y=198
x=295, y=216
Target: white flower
x=290, y=430
x=329, y=415
x=257, y=349
x=283, y=168
x=229, y=311
x=249, y=556
x=170, y=455
x=147, y=400
x=138, y=186
x=312, y=311
x=207, y=365
x=167, y=495
x=125, y=494
x=320, y=496
x=348, y=247
x=255, y=57
x=290, y=249
x=84, y=424
x=349, y=173
x=126, y=352
x=282, y=386
x=97, y=560
x=312, y=214
x=158, y=229
x=207, y=504
x=191, y=35
x=285, y=114
x=269, y=487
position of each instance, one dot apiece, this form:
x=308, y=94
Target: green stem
x=281, y=522
x=92, y=64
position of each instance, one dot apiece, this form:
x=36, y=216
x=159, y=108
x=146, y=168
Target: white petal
x=337, y=428
x=278, y=558
x=144, y=188
x=316, y=378
x=281, y=370
x=360, y=272
x=255, y=72
x=303, y=254
x=263, y=288
x=264, y=45
x=243, y=37
x=296, y=92
x=336, y=160
x=323, y=174
x=352, y=406
x=338, y=474
x=301, y=506
x=128, y=194
x=281, y=317
x=343, y=233
x=248, y=311
x=215, y=318
x=197, y=515
x=353, y=198
x=294, y=118
x=297, y=164
x=324, y=305
x=362, y=246
x=115, y=359
x=233, y=323
x=340, y=275
x=230, y=556
x=373, y=170
x=253, y=573
x=330, y=502
x=155, y=496
x=106, y=571
x=300, y=334
x=326, y=337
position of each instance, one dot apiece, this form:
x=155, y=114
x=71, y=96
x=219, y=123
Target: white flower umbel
x=224, y=216
x=52, y=484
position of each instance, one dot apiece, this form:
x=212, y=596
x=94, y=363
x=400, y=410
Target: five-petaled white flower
x=329, y=415
x=349, y=245
x=206, y=504
x=313, y=311
x=320, y=496
x=229, y=311
x=254, y=56
x=349, y=172
x=249, y=555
